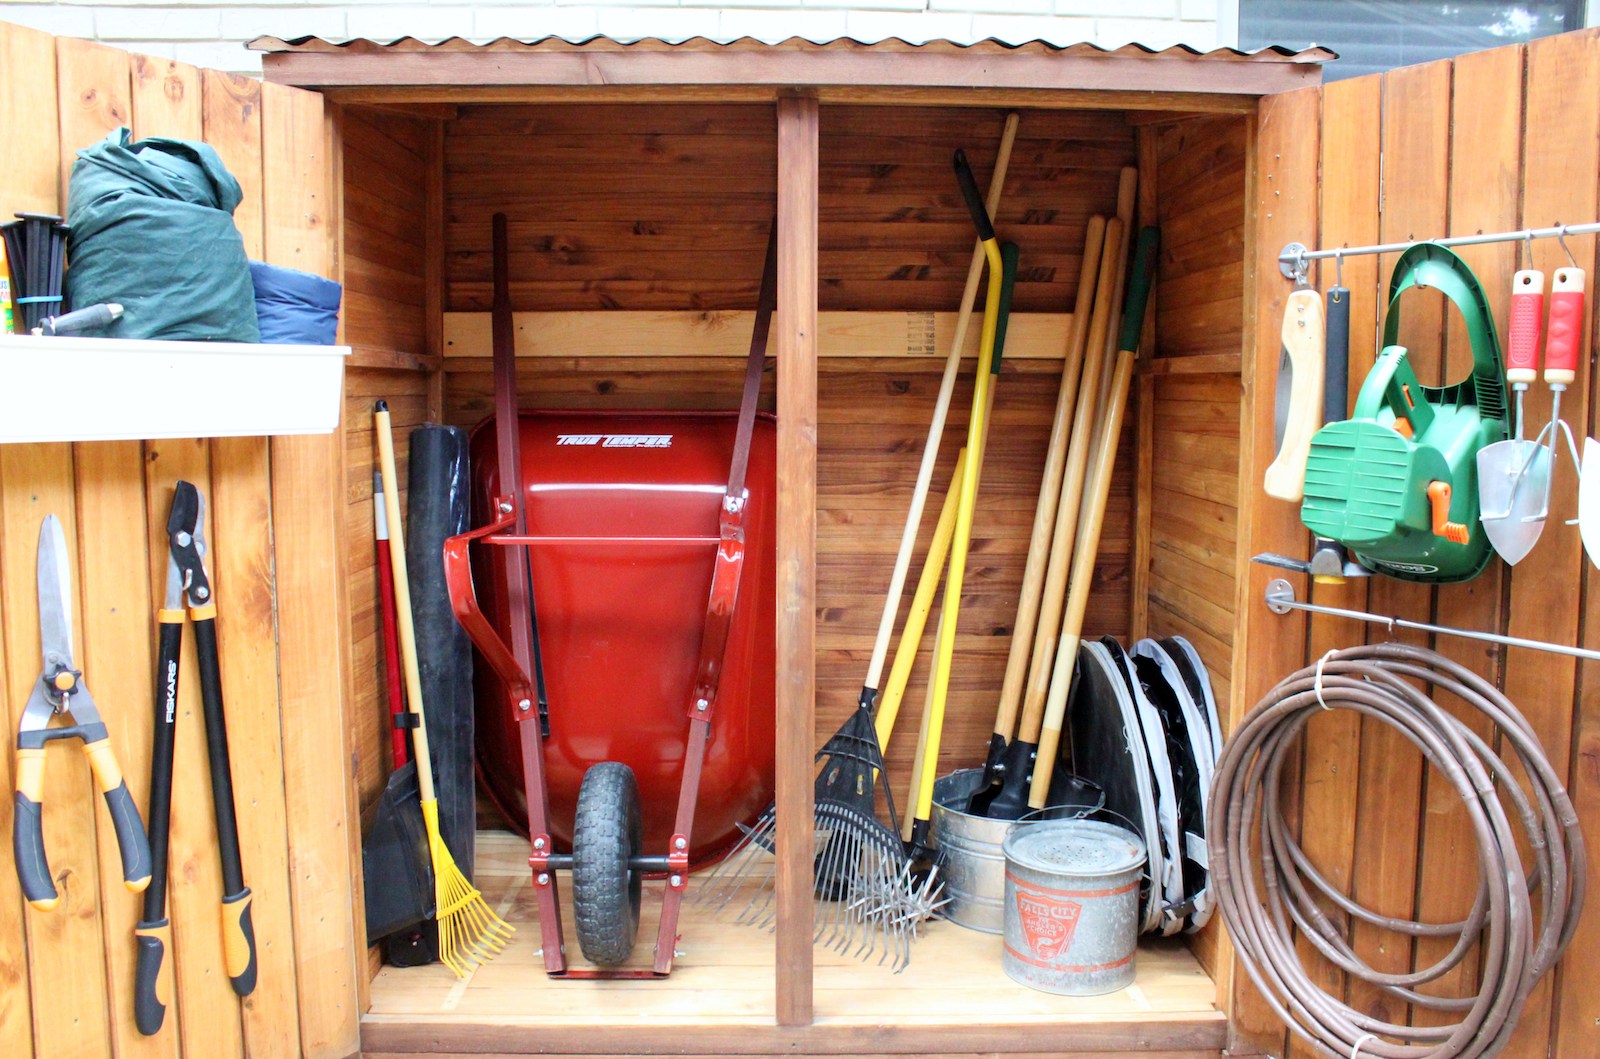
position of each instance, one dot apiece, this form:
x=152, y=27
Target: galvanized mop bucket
x=1072, y=906
x=970, y=857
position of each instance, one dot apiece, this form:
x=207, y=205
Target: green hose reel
x=1397, y=482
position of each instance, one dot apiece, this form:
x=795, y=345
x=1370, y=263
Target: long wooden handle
x=1071, y=491
x=402, y=599
x=941, y=411
x=1082, y=580
x=1031, y=593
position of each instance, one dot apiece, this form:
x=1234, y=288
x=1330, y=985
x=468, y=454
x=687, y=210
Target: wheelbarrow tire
x=607, y=834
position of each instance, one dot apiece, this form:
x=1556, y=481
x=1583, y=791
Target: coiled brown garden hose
x=1268, y=889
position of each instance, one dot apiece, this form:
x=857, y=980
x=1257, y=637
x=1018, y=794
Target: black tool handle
x=238, y=936
x=169, y=646
x=131, y=840
x=152, y=975
x=1336, y=376
x=969, y=191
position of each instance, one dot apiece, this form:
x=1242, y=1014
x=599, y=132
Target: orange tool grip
x=1439, y=497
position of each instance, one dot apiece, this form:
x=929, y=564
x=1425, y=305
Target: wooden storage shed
x=639, y=180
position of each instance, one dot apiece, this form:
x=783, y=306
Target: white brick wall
x=209, y=33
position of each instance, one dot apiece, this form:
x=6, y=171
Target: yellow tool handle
x=945, y=649
x=905, y=655
x=132, y=841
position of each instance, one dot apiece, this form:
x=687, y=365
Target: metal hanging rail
x=1295, y=256
x=1281, y=600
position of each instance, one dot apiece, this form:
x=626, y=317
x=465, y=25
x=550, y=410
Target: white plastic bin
x=108, y=389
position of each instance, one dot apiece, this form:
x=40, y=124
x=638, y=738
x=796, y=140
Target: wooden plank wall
x=895, y=236
x=629, y=206
x=66, y=976
x=1487, y=142
x=1188, y=393
x=391, y=259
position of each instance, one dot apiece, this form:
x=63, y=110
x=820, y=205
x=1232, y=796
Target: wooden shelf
x=953, y=997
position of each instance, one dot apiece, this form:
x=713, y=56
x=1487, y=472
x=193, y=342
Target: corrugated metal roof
x=1274, y=54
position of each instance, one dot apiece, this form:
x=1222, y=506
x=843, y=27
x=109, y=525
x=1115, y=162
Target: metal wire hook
x=1527, y=245
x=1561, y=237
x=1338, y=268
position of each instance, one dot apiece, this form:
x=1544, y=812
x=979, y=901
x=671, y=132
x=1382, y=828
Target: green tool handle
x=1437, y=267
x=1393, y=385
x=1008, y=279
x=1139, y=284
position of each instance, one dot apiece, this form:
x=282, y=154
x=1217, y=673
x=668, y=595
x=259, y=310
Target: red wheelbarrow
x=634, y=568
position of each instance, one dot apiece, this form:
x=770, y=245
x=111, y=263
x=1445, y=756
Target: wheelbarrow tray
x=622, y=516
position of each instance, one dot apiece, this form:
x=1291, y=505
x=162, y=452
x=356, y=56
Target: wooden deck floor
x=953, y=997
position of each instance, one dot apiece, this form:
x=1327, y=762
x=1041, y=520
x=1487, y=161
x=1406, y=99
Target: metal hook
x=1338, y=267
x=1561, y=237
x=1302, y=268
x=1527, y=245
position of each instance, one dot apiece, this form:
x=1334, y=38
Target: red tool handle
x=1566, y=327
x=1522, y=336
x=391, y=637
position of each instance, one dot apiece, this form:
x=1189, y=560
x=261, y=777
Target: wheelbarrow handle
x=464, y=602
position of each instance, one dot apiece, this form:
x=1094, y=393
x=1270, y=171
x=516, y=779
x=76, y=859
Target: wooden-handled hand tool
x=188, y=582
x=1097, y=491
x=1300, y=381
x=61, y=692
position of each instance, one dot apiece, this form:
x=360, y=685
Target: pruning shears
x=188, y=582
x=62, y=695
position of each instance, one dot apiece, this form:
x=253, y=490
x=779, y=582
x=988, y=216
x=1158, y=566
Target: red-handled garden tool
x=1514, y=474
x=1563, y=337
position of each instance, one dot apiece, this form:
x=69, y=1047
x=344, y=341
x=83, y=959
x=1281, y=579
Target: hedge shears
x=62, y=695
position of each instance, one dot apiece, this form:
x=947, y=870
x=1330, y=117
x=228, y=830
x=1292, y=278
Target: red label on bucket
x=1047, y=922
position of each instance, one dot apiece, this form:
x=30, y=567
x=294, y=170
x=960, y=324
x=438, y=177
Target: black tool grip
x=1336, y=376
x=27, y=844
x=131, y=840
x=239, y=942
x=152, y=975
x=969, y=191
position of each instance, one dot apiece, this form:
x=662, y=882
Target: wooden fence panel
x=1465, y=147
x=67, y=975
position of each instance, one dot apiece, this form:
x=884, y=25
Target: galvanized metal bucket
x=1072, y=906
x=970, y=856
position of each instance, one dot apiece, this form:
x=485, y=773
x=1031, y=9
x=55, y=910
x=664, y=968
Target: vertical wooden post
x=1283, y=202
x=309, y=551
x=796, y=328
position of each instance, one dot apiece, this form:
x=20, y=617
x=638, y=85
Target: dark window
x=1374, y=35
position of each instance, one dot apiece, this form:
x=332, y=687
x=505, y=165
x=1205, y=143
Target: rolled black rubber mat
x=437, y=507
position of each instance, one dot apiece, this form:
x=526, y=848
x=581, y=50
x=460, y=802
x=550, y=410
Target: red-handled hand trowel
x=1514, y=475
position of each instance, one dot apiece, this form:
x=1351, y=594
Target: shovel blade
x=1512, y=479
x=1589, y=500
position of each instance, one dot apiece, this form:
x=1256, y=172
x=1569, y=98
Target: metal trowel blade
x=1509, y=505
x=1589, y=500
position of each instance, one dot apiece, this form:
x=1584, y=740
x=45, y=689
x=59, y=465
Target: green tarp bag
x=152, y=230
